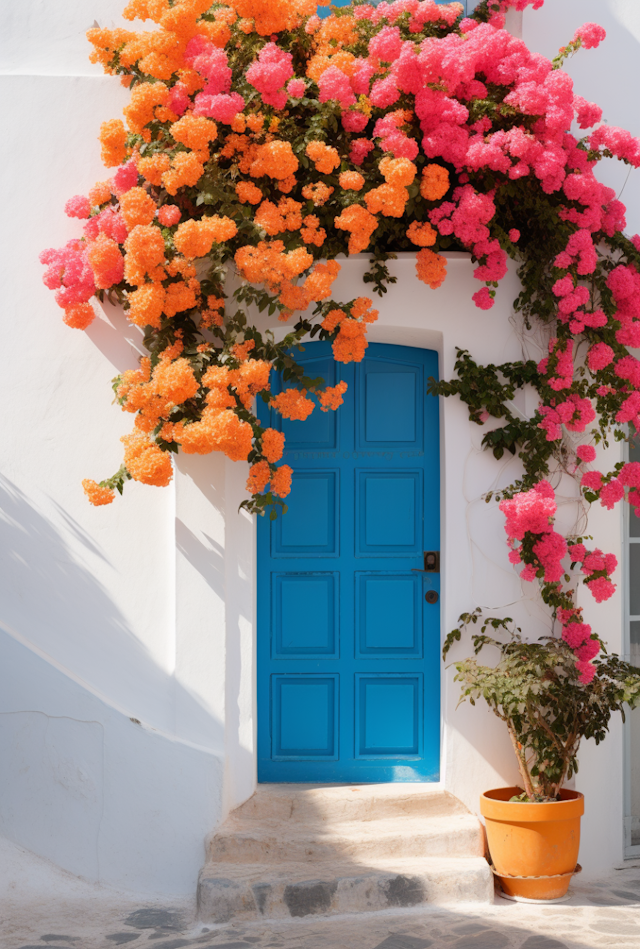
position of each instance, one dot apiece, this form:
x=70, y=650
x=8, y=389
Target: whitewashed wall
x=142, y=612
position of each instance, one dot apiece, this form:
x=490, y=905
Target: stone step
x=302, y=802
x=266, y=891
x=277, y=840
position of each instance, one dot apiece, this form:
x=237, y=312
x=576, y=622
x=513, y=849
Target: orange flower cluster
x=218, y=430
x=259, y=477
x=248, y=192
x=281, y=481
x=274, y=159
x=274, y=219
x=196, y=238
x=196, y=132
x=186, y=170
x=421, y=234
x=145, y=254
x=351, y=180
x=435, y=182
x=79, y=316
x=113, y=139
x=293, y=404
x=331, y=398
x=270, y=264
x=137, y=207
x=350, y=343
x=318, y=192
x=273, y=16
x=325, y=157
x=312, y=233
x=360, y=224
x=431, y=268
x=145, y=462
x=272, y=445
x=96, y=493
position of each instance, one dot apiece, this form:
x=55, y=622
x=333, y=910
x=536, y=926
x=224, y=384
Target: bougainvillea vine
x=262, y=138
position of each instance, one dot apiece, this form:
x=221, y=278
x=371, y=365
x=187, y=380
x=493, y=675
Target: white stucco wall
x=144, y=610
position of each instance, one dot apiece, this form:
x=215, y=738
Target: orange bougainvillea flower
x=146, y=305
x=312, y=233
x=318, y=284
x=106, y=262
x=350, y=343
x=281, y=481
x=435, y=182
x=145, y=97
x=431, y=268
x=421, y=234
x=181, y=296
x=275, y=219
x=272, y=445
x=137, y=207
x=274, y=16
x=252, y=377
x=325, y=157
x=96, y=493
x=79, y=316
x=318, y=192
x=218, y=430
x=248, y=192
x=293, y=404
x=269, y=263
x=274, y=159
x=332, y=319
x=146, y=462
x=175, y=380
x=360, y=223
x=331, y=398
x=196, y=238
x=113, y=137
x=241, y=350
x=351, y=180
x=259, y=476
x=100, y=193
x=144, y=254
x=389, y=200
x=398, y=171
x=186, y=169
x=153, y=168
x=196, y=132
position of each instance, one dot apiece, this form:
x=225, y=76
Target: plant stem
x=522, y=763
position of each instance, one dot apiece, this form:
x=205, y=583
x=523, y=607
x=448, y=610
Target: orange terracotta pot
x=539, y=842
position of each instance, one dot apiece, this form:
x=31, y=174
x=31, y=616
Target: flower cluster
x=262, y=136
x=533, y=541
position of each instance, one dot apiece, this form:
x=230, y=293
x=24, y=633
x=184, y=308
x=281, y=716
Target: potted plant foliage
x=550, y=694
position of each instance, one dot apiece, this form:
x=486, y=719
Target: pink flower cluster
x=590, y=35
x=269, y=73
x=575, y=413
x=561, y=362
x=614, y=490
x=577, y=636
x=215, y=101
x=69, y=273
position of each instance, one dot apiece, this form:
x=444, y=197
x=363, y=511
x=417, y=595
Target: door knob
x=431, y=596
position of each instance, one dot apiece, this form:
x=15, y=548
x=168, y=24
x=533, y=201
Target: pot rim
x=495, y=805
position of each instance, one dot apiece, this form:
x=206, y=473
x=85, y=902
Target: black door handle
x=431, y=596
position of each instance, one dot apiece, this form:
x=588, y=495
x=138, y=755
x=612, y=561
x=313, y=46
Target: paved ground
x=40, y=911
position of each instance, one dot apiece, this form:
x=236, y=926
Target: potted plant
x=550, y=694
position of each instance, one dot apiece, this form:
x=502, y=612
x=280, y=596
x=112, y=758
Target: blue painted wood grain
x=348, y=649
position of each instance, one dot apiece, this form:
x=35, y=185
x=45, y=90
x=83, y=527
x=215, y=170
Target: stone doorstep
x=301, y=850
x=276, y=840
x=253, y=892
x=360, y=802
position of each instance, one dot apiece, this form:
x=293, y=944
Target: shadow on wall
x=86, y=781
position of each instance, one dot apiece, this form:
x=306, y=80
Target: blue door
x=348, y=621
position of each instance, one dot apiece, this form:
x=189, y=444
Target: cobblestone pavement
x=599, y=914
